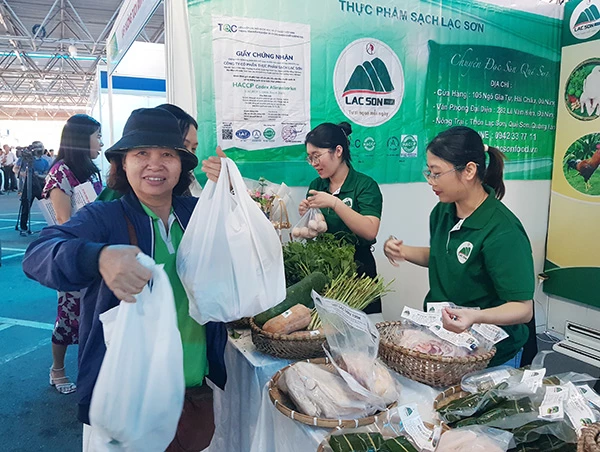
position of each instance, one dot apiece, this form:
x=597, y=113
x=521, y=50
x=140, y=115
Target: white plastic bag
x=230, y=259
x=353, y=343
x=311, y=224
x=138, y=396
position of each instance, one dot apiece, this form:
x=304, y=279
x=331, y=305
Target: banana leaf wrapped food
x=356, y=442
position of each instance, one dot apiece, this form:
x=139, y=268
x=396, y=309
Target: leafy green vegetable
x=325, y=254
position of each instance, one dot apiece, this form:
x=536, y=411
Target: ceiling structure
x=49, y=52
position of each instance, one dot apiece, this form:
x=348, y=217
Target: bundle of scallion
x=355, y=291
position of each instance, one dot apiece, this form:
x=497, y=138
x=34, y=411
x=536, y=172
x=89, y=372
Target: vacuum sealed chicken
x=321, y=393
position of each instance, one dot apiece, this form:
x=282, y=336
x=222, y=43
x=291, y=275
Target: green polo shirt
x=361, y=193
x=193, y=335
x=108, y=194
x=482, y=262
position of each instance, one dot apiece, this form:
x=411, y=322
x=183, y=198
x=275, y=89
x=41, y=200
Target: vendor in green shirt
x=351, y=202
x=479, y=254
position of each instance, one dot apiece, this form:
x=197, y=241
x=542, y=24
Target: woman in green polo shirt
x=479, y=254
x=350, y=201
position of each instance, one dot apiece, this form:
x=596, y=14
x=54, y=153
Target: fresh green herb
x=325, y=254
x=355, y=291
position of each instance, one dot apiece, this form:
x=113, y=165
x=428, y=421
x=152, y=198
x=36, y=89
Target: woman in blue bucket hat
x=96, y=250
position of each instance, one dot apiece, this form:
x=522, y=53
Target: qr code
x=227, y=133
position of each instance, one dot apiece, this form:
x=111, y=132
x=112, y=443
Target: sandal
x=62, y=384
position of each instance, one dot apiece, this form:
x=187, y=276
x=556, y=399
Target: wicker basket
x=449, y=395
x=240, y=324
x=589, y=441
x=437, y=371
x=283, y=403
x=287, y=346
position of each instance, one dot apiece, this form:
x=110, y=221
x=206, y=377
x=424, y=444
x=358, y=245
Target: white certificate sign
x=262, y=82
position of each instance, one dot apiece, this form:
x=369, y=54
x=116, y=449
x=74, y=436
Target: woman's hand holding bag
x=138, y=397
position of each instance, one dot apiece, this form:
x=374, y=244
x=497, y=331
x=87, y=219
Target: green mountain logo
x=588, y=15
x=466, y=251
x=371, y=77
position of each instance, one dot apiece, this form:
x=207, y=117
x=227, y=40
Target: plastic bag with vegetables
x=311, y=224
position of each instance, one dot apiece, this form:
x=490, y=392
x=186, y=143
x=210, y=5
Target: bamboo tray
x=285, y=406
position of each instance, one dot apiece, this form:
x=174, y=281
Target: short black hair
x=184, y=119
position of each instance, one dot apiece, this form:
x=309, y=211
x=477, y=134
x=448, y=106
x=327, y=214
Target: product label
x=419, y=317
x=463, y=339
x=286, y=314
x=315, y=332
x=552, y=407
x=413, y=424
x=437, y=307
x=577, y=409
x=532, y=379
x=590, y=395
x=492, y=333
x=352, y=317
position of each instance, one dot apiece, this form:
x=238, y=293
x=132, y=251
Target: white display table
x=245, y=418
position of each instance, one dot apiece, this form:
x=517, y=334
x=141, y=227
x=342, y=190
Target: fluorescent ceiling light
x=44, y=107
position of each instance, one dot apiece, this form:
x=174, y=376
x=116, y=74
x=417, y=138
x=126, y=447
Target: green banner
x=508, y=96
x=269, y=71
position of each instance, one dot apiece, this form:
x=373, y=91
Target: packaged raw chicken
x=353, y=346
x=321, y=393
x=423, y=341
x=373, y=375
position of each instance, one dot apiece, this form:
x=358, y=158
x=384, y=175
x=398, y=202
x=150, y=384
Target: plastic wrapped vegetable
x=356, y=442
x=482, y=380
x=471, y=405
x=399, y=444
x=506, y=409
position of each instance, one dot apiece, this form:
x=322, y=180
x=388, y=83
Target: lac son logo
x=585, y=20
x=368, y=82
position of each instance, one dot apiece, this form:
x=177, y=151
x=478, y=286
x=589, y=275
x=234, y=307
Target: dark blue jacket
x=65, y=257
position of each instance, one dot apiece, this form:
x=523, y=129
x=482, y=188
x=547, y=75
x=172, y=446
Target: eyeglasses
x=314, y=159
x=435, y=176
